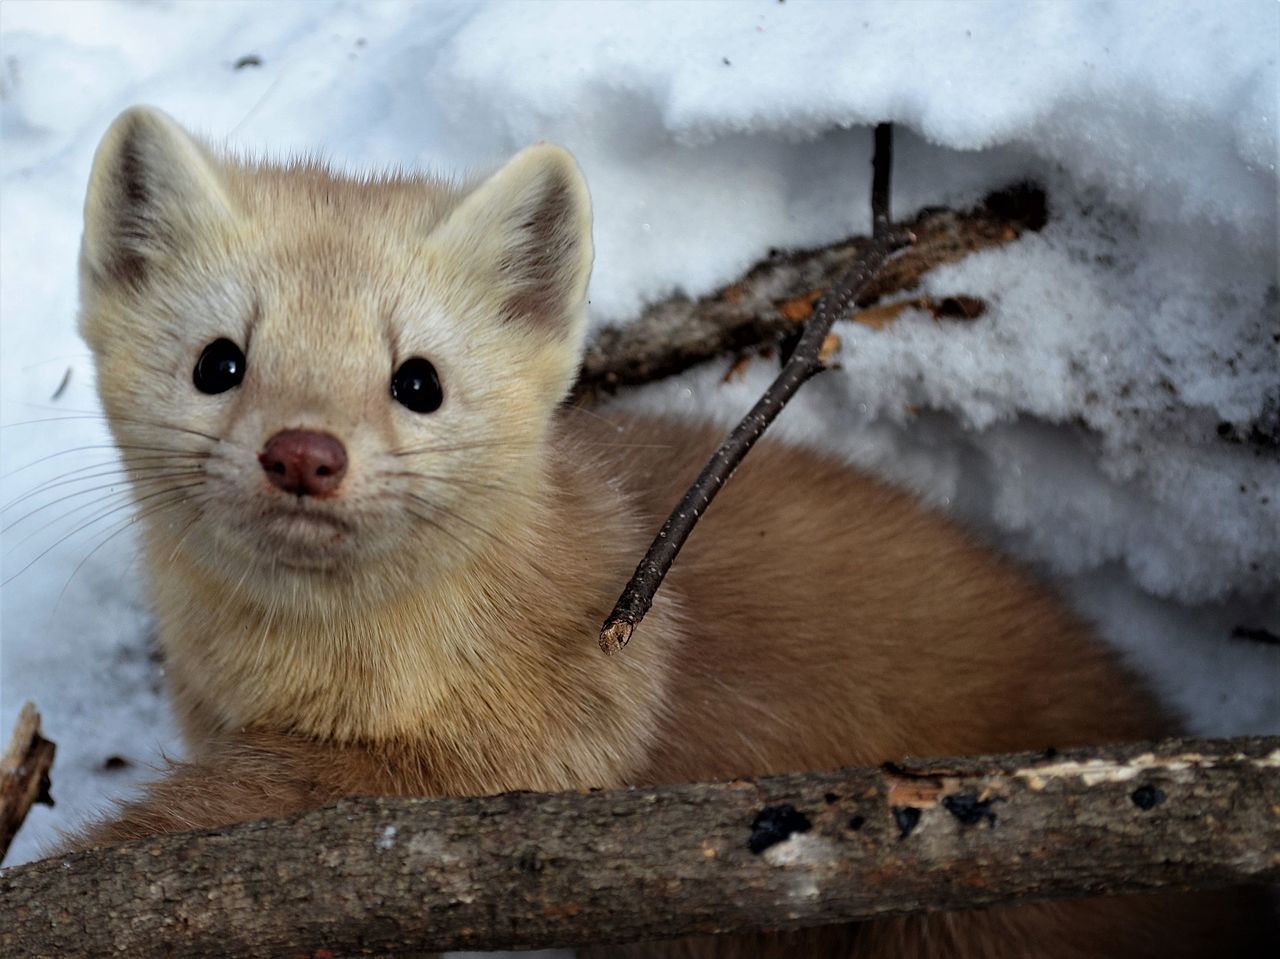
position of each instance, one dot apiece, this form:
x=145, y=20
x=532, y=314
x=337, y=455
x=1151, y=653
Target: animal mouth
x=304, y=518
x=304, y=536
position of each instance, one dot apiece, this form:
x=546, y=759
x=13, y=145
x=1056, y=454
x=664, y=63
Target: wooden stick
x=24, y=775
x=396, y=876
x=804, y=363
x=758, y=309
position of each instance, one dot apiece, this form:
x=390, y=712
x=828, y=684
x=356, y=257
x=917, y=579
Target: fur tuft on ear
x=152, y=190
x=525, y=232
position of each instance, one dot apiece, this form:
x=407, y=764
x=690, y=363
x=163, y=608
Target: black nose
x=304, y=462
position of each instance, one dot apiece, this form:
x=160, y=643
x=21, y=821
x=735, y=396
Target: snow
x=1076, y=424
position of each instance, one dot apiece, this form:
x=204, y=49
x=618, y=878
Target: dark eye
x=416, y=386
x=220, y=367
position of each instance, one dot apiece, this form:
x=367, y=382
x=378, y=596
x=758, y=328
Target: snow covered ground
x=1113, y=419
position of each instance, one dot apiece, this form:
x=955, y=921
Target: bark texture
x=404, y=877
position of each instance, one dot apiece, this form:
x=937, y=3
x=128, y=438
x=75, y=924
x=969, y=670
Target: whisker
x=57, y=359
x=146, y=481
x=594, y=444
x=186, y=531
x=73, y=415
x=450, y=448
x=120, y=528
x=436, y=526
x=107, y=446
x=125, y=474
x=461, y=480
x=457, y=518
x=90, y=521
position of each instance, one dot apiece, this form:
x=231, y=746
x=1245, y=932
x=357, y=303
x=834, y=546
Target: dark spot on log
x=1051, y=753
x=115, y=762
x=531, y=862
x=907, y=818
x=773, y=824
x=857, y=822
x=1256, y=634
x=969, y=809
x=248, y=60
x=1224, y=428
x=1147, y=797
x=830, y=798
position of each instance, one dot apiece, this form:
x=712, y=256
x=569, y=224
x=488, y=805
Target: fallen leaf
x=878, y=317
x=830, y=347
x=799, y=309
x=737, y=370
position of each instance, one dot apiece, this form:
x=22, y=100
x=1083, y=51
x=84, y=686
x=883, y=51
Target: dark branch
x=881, y=169
x=804, y=363
x=759, y=309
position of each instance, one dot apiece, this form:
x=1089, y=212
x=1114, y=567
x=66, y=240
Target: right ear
x=152, y=191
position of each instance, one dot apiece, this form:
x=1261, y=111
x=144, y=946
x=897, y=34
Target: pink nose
x=304, y=462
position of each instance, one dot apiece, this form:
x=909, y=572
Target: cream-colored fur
x=430, y=628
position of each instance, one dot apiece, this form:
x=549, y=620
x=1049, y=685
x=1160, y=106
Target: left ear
x=525, y=234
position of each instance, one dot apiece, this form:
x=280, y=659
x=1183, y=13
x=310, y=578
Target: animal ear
x=153, y=190
x=527, y=231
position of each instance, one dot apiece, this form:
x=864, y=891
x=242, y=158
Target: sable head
x=313, y=374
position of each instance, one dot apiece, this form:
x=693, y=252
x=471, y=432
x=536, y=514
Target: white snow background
x=1076, y=424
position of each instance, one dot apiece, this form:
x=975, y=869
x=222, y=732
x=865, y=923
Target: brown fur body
x=815, y=619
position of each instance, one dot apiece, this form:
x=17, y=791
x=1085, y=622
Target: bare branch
x=757, y=310
x=804, y=363
x=522, y=870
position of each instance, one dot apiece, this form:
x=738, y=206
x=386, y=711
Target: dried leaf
x=737, y=370
x=799, y=309
x=830, y=347
x=878, y=317
x=959, y=307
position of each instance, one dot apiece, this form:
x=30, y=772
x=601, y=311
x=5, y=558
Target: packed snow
x=1113, y=419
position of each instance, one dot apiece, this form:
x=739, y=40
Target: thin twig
x=24, y=775
x=881, y=168
x=803, y=364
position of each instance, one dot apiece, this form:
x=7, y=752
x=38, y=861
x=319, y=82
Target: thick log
x=405, y=876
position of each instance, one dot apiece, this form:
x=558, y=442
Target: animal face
x=316, y=376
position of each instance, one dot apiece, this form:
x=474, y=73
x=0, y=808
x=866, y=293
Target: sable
x=24, y=775
x=805, y=361
x=525, y=870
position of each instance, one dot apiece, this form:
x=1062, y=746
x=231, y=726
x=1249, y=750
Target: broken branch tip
x=615, y=634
